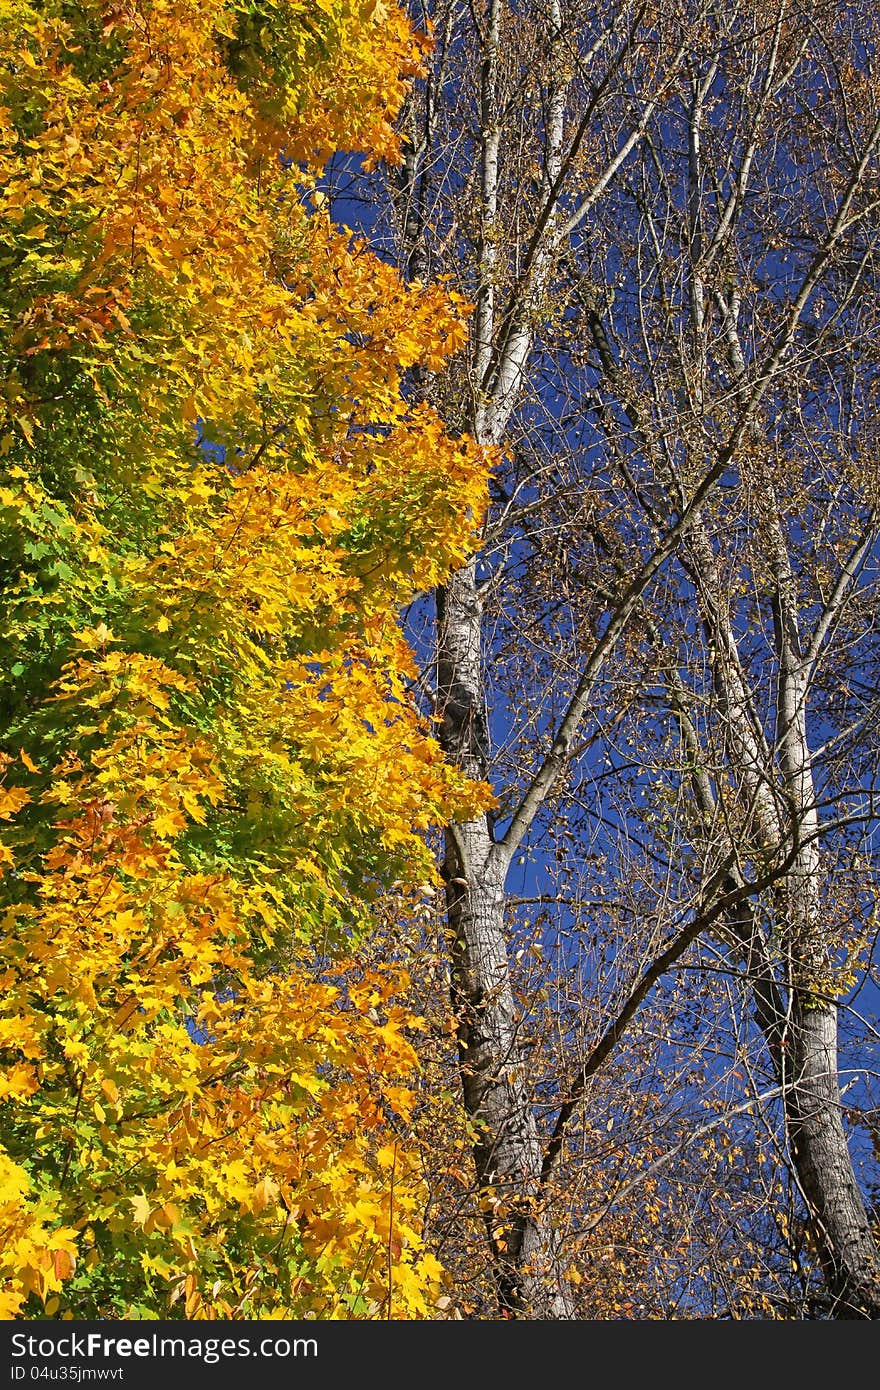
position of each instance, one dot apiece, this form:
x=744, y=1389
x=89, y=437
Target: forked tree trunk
x=792, y=1003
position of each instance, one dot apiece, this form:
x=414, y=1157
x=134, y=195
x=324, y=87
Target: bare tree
x=748, y=337
x=664, y=657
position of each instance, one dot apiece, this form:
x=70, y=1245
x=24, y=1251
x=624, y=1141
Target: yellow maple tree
x=214, y=499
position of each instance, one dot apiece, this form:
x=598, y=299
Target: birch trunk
x=795, y=1013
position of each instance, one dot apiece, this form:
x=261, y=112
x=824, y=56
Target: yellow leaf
x=26, y=428
x=110, y=1089
x=141, y=1209
x=11, y=800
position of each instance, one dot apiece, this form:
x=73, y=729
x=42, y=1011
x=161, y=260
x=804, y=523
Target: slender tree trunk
x=838, y=1220
x=527, y=1266
x=811, y=1092
x=795, y=1015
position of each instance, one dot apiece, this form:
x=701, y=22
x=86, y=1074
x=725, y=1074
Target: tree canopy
x=214, y=502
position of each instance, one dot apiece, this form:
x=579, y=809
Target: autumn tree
x=214, y=501
x=664, y=655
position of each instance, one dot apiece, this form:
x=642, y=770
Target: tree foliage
x=214, y=501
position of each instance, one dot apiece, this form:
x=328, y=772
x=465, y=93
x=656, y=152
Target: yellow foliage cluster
x=35, y=1252
x=215, y=498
